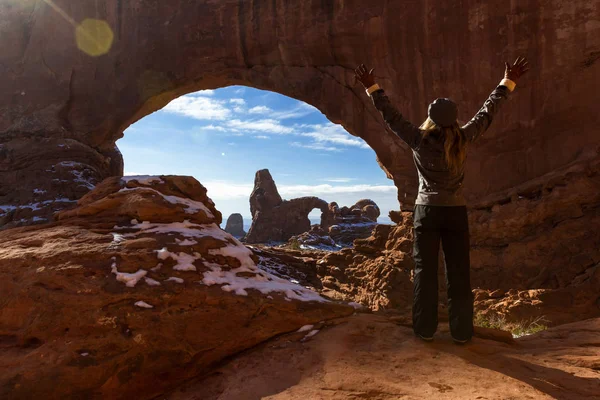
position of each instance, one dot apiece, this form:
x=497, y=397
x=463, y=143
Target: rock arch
x=62, y=109
x=277, y=220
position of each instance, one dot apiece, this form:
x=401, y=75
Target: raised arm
x=392, y=117
x=482, y=120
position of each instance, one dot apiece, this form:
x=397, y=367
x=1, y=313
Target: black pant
x=450, y=224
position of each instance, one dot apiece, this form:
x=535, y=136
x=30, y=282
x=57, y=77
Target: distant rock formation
x=315, y=239
x=277, y=220
x=235, y=225
x=355, y=222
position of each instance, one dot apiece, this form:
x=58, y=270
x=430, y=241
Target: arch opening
x=223, y=136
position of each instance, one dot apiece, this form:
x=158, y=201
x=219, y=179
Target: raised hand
x=364, y=76
x=518, y=69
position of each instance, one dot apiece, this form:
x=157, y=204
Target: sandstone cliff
x=55, y=92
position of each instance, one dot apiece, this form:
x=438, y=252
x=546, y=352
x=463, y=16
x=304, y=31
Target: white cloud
x=214, y=128
x=261, y=137
x=338, y=180
x=262, y=126
x=260, y=110
x=325, y=190
x=335, y=134
x=199, y=107
x=315, y=146
x=301, y=111
x=208, y=92
x=228, y=190
x=321, y=137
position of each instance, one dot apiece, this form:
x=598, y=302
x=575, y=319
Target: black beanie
x=443, y=112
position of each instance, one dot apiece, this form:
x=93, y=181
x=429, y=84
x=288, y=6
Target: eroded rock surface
x=134, y=291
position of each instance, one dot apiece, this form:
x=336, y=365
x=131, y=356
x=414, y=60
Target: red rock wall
x=307, y=49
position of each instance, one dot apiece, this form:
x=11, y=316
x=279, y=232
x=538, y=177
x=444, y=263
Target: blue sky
x=223, y=137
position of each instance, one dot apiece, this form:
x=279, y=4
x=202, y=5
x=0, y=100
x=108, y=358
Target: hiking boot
x=425, y=338
x=459, y=341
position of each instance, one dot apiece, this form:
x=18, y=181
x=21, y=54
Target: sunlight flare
x=93, y=36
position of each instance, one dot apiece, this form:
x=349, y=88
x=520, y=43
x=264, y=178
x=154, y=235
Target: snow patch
x=143, y=304
x=190, y=206
x=186, y=229
x=305, y=328
x=175, y=279
x=151, y=282
x=156, y=268
x=130, y=280
x=185, y=262
x=310, y=334
x=356, y=306
x=260, y=280
x=117, y=237
x=143, y=179
x=185, y=242
x=229, y=280
x=35, y=206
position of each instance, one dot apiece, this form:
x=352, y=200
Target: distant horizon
x=313, y=220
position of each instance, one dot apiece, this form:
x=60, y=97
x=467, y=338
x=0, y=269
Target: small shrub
x=294, y=244
x=517, y=329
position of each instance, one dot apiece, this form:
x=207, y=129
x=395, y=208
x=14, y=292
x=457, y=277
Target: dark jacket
x=438, y=185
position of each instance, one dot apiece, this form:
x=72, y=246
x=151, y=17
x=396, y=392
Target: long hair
x=455, y=143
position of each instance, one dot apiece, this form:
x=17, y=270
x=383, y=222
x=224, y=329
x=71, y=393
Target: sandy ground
x=370, y=357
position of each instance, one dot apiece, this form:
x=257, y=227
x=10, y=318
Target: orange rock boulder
x=134, y=291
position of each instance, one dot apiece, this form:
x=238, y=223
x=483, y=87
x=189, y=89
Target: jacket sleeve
x=482, y=120
x=395, y=121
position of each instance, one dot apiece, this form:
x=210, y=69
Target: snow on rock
x=185, y=262
x=356, y=306
x=229, y=279
x=185, y=242
x=151, y=282
x=186, y=229
x=260, y=280
x=156, y=268
x=130, y=280
x=175, y=279
x=117, y=237
x=143, y=179
x=143, y=304
x=190, y=206
x=305, y=328
x=239, y=251
x=35, y=206
x=310, y=334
